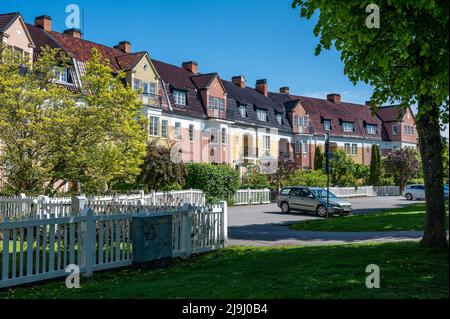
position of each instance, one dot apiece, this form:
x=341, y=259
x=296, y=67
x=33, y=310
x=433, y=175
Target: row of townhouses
x=214, y=120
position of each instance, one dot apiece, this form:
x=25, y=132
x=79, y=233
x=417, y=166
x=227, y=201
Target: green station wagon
x=311, y=199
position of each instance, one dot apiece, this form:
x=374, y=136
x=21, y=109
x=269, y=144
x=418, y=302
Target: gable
x=18, y=35
x=145, y=70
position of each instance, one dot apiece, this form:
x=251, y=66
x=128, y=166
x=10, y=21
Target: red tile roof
x=203, y=81
x=389, y=113
x=181, y=79
x=322, y=109
x=7, y=19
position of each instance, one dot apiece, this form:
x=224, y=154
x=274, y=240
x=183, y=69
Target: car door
x=295, y=201
x=420, y=191
x=309, y=201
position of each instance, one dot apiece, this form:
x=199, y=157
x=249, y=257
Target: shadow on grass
x=407, y=271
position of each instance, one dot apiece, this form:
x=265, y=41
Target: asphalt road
x=265, y=225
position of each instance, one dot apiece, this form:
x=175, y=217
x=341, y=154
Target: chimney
x=124, y=46
x=76, y=33
x=239, y=81
x=284, y=90
x=262, y=87
x=190, y=66
x=333, y=97
x=43, y=22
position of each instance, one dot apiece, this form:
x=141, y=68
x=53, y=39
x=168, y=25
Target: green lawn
x=397, y=219
x=407, y=271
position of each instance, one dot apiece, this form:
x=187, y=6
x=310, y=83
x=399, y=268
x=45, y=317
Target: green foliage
x=159, y=172
x=306, y=178
x=445, y=160
x=406, y=57
x=219, y=182
x=375, y=175
x=342, y=169
x=255, y=180
x=319, y=159
x=285, y=169
x=52, y=136
x=403, y=165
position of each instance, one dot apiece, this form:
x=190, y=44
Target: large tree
x=52, y=136
x=405, y=60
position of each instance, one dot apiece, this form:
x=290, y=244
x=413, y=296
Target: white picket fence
x=252, y=196
x=365, y=191
x=38, y=249
x=22, y=206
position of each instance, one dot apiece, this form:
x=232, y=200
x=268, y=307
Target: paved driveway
x=265, y=225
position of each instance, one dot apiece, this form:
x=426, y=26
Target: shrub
x=306, y=178
x=218, y=182
x=376, y=174
x=319, y=159
x=159, y=172
x=255, y=180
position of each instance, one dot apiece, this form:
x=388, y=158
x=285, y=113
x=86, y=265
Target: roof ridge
x=89, y=41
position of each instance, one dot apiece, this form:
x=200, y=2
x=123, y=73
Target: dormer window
x=280, y=119
x=327, y=125
x=179, y=97
x=216, y=103
x=348, y=126
x=243, y=110
x=371, y=129
x=62, y=75
x=262, y=115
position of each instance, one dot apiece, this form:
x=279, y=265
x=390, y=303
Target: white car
x=414, y=192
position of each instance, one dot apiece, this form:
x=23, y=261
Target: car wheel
x=321, y=211
x=409, y=196
x=285, y=209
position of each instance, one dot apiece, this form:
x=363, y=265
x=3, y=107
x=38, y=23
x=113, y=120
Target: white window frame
x=348, y=127
x=372, y=129
x=191, y=133
x=224, y=136
x=280, y=119
x=179, y=97
x=394, y=129
x=177, y=131
x=154, y=126
x=243, y=111
x=213, y=136
x=153, y=89
x=262, y=115
x=164, y=129
x=266, y=143
x=137, y=85
x=297, y=147
x=305, y=147
x=348, y=148
x=354, y=149
x=327, y=125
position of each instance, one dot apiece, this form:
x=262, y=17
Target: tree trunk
x=430, y=144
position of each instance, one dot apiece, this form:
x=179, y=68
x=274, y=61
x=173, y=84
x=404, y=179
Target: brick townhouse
x=213, y=120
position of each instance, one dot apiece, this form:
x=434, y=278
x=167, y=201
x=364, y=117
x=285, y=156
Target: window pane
x=224, y=136
x=164, y=129
x=191, y=133
x=177, y=130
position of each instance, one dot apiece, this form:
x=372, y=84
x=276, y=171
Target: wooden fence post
x=224, y=206
x=78, y=204
x=87, y=241
x=22, y=198
x=188, y=213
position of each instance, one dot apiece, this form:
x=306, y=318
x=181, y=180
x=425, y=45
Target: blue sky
x=258, y=39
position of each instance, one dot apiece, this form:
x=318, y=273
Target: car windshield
x=322, y=193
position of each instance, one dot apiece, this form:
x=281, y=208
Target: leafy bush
x=218, y=182
x=306, y=178
x=159, y=172
x=255, y=180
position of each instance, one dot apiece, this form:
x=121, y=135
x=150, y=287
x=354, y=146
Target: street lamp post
x=327, y=168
